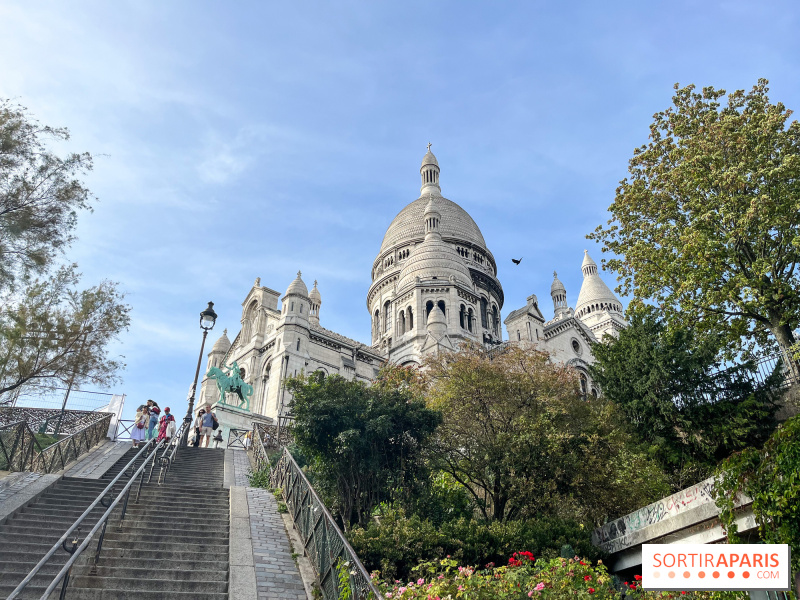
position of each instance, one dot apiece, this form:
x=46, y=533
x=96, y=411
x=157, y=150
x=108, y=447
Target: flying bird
x=516, y=261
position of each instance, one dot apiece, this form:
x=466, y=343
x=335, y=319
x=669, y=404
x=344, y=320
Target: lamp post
x=207, y=319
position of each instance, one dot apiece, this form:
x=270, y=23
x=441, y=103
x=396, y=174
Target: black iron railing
x=70, y=539
x=46, y=420
x=21, y=451
x=237, y=438
x=323, y=541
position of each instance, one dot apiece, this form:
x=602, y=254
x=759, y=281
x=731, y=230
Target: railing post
x=71, y=551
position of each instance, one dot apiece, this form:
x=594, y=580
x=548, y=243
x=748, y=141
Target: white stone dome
x=409, y=224
x=314, y=294
x=222, y=344
x=429, y=159
x=593, y=290
x=297, y=287
x=434, y=258
x=557, y=285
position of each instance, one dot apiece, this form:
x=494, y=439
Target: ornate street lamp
x=207, y=319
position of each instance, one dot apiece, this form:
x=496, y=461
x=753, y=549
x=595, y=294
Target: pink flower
x=461, y=588
x=402, y=590
x=539, y=586
x=441, y=576
x=420, y=581
x=530, y=594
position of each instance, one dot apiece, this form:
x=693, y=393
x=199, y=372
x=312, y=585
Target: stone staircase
x=27, y=536
x=173, y=543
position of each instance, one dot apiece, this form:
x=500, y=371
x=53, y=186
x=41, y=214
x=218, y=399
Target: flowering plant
x=525, y=577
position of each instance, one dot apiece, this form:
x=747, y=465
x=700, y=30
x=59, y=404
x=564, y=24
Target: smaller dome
x=429, y=159
x=314, y=294
x=297, y=287
x=557, y=285
x=223, y=344
x=437, y=324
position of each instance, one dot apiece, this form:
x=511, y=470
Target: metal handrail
x=324, y=542
x=100, y=498
x=166, y=461
x=22, y=457
x=65, y=571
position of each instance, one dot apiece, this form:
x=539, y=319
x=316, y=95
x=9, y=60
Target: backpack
x=215, y=425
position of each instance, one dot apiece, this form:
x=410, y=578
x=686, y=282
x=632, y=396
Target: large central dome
x=408, y=225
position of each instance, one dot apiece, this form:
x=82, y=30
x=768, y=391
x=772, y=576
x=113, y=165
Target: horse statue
x=231, y=382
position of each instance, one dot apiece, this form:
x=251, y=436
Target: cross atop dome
x=429, y=146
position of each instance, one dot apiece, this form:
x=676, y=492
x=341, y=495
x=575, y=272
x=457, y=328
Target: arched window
x=402, y=322
x=298, y=345
x=469, y=319
x=584, y=384
x=387, y=321
x=291, y=307
x=496, y=320
x=428, y=309
x=484, y=316
x=443, y=307
x=410, y=319
x=530, y=335
x=519, y=337
x=376, y=325
x=301, y=308
x=462, y=314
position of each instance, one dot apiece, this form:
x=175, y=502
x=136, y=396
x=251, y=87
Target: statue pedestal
x=231, y=417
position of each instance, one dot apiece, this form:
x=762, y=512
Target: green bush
x=393, y=542
x=259, y=479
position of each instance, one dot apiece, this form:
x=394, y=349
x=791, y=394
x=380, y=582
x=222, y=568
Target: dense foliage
x=394, y=542
x=707, y=223
x=690, y=411
x=518, y=436
x=771, y=477
x=363, y=443
x=523, y=577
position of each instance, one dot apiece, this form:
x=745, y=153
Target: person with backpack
x=210, y=423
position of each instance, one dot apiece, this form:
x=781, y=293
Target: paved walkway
x=276, y=572
x=95, y=464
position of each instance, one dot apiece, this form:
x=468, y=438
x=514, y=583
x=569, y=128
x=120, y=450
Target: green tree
x=49, y=328
x=57, y=332
x=40, y=194
x=690, y=411
x=363, y=443
x=771, y=477
x=708, y=223
x=519, y=437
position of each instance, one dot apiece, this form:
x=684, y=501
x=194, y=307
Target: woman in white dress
x=140, y=425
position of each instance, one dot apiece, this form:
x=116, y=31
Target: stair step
x=167, y=567
x=125, y=594
x=150, y=584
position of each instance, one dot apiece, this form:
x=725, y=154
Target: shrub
x=393, y=543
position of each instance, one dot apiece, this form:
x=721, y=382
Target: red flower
x=591, y=590
x=587, y=577
x=633, y=586
x=583, y=563
x=637, y=577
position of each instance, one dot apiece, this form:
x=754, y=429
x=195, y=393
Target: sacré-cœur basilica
x=434, y=286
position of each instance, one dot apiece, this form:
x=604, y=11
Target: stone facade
x=434, y=286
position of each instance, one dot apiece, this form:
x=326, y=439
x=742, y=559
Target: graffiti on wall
x=611, y=535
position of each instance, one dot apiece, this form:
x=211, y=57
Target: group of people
x=204, y=426
x=147, y=420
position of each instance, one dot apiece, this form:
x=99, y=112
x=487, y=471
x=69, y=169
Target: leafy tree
x=49, y=329
x=518, y=436
x=771, y=477
x=56, y=331
x=672, y=387
x=40, y=194
x=708, y=223
x=363, y=442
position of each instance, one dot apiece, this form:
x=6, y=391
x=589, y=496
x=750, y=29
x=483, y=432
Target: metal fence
x=49, y=420
x=238, y=438
x=323, y=541
x=21, y=451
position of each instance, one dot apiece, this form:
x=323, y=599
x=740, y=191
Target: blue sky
x=252, y=139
